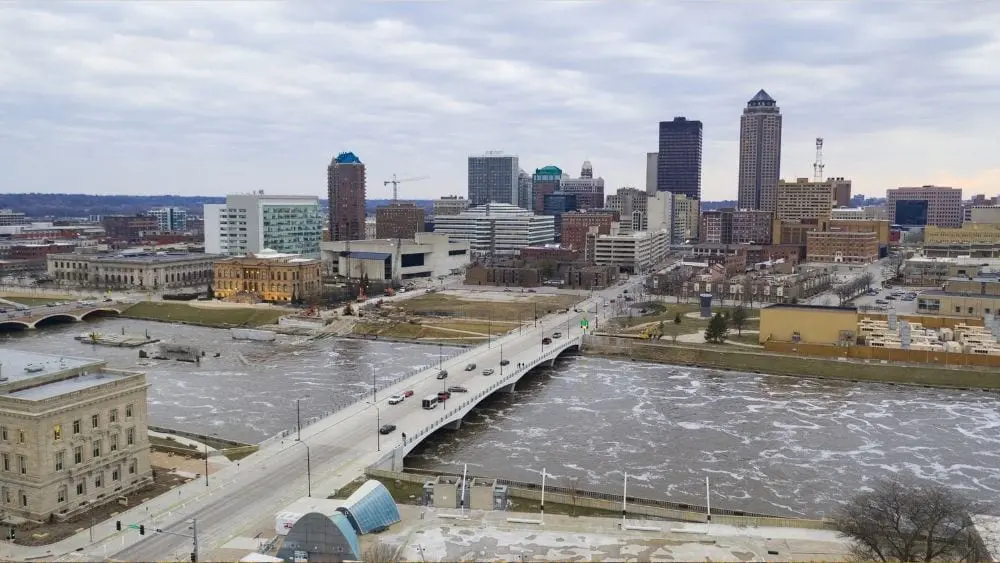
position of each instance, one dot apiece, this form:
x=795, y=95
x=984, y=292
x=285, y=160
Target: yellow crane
x=395, y=184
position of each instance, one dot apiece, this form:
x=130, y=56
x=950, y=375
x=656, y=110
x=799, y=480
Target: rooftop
x=347, y=158
x=846, y=309
x=17, y=363
x=146, y=257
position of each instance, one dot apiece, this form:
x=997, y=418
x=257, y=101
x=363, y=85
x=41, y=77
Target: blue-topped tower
x=347, y=190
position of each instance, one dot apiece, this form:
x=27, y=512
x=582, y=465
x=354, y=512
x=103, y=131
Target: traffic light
x=118, y=525
x=194, y=558
x=142, y=530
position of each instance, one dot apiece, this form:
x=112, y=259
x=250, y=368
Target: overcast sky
x=210, y=98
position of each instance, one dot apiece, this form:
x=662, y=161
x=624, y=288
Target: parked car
x=504, y=362
x=532, y=291
x=408, y=393
x=507, y=289
x=442, y=374
x=387, y=429
x=557, y=335
x=395, y=399
x=470, y=367
x=546, y=340
x=457, y=389
x=881, y=302
x=488, y=371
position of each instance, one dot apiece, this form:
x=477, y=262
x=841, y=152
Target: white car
x=395, y=399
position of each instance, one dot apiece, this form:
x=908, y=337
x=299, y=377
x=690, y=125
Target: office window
x=97, y=448
x=5, y=493
x=131, y=467
x=78, y=455
x=24, y=499
x=130, y=436
x=114, y=443
x=128, y=410
x=95, y=420
x=99, y=481
x=76, y=426
x=57, y=432
x=22, y=464
x=62, y=494
x=20, y=436
x=114, y=474
x=6, y=462
x=60, y=456
x=81, y=488
x=3, y=433
x=113, y=415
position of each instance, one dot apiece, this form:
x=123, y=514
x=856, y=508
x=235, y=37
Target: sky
x=210, y=98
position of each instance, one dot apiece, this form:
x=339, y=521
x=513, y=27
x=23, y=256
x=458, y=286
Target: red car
x=408, y=393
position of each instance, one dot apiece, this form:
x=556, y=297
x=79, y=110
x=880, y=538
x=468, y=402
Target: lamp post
x=298, y=420
x=440, y=360
x=489, y=331
x=378, y=428
x=206, y=460
x=309, y=487
x=374, y=386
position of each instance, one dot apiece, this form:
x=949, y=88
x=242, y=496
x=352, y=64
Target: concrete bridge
x=32, y=318
x=452, y=411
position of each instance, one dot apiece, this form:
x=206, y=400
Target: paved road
x=341, y=446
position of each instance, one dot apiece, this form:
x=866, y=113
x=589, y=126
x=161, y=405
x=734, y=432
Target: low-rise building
x=985, y=214
x=842, y=247
x=808, y=324
x=934, y=271
x=132, y=270
x=686, y=217
x=969, y=233
x=170, y=219
x=508, y=275
x=129, y=227
x=497, y=229
x=10, y=217
x=450, y=205
x=554, y=253
x=267, y=276
x=73, y=434
x=589, y=277
x=576, y=225
x=634, y=252
x=736, y=226
x=963, y=297
x=426, y=255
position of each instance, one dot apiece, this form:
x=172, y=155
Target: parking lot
x=894, y=299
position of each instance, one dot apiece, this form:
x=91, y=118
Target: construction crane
x=395, y=184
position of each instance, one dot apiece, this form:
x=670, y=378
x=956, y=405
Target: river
x=768, y=444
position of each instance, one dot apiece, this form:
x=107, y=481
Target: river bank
x=762, y=362
x=213, y=317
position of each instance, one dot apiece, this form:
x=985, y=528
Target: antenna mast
x=818, y=165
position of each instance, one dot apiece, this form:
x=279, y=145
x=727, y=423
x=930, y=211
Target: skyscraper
x=760, y=153
x=493, y=178
x=678, y=162
x=345, y=184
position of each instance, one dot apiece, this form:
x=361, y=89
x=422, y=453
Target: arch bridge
x=39, y=317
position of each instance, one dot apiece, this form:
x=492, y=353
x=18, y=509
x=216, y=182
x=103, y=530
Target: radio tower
x=818, y=166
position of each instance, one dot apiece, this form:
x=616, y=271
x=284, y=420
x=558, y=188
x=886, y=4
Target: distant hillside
x=80, y=205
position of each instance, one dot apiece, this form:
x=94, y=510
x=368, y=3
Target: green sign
x=584, y=323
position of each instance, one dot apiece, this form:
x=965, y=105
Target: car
x=507, y=289
x=387, y=429
x=504, y=362
x=488, y=371
x=444, y=395
x=881, y=302
x=108, y=300
x=546, y=340
x=624, y=291
x=408, y=393
x=470, y=367
x=577, y=310
x=50, y=304
x=442, y=374
x=532, y=291
x=890, y=297
x=556, y=335
x=395, y=399
x=457, y=389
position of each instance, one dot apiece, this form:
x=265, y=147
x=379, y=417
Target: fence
x=613, y=503
x=931, y=357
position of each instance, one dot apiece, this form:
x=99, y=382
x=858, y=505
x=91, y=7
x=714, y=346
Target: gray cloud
x=211, y=97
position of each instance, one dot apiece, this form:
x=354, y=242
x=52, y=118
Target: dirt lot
x=497, y=305
x=44, y=534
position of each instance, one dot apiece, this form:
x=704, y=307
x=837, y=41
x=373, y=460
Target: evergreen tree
x=718, y=329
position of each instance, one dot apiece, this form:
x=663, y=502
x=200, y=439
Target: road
x=340, y=447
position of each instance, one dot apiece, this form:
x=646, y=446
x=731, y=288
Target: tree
x=907, y=520
x=380, y=552
x=677, y=318
x=211, y=291
x=718, y=329
x=739, y=318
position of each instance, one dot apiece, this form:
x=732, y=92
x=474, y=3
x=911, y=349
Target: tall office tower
x=587, y=170
x=493, y=178
x=345, y=184
x=651, y=163
x=760, y=153
x=545, y=181
x=678, y=162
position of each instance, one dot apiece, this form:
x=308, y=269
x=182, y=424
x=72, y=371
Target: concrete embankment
x=745, y=360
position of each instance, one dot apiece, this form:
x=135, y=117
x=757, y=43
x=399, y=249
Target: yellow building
x=808, y=324
x=969, y=233
x=880, y=228
x=805, y=199
x=266, y=276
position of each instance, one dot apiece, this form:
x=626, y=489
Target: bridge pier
x=454, y=425
x=507, y=388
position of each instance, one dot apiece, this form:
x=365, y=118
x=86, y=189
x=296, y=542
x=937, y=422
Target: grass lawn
x=182, y=312
x=519, y=306
x=688, y=325
x=33, y=301
x=456, y=330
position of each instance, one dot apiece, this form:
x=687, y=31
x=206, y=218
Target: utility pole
x=298, y=420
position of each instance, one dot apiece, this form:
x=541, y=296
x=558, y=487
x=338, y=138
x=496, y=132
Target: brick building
x=346, y=189
x=129, y=227
x=399, y=220
x=576, y=225
x=842, y=246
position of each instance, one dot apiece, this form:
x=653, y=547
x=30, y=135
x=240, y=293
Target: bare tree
x=739, y=318
x=906, y=520
x=380, y=552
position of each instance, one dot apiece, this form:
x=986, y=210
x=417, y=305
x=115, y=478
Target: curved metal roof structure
x=321, y=538
x=370, y=507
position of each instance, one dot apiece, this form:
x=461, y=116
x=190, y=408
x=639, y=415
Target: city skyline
x=205, y=98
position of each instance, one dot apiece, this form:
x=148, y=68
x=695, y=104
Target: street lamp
x=378, y=428
x=374, y=386
x=206, y=460
x=309, y=487
x=440, y=360
x=298, y=419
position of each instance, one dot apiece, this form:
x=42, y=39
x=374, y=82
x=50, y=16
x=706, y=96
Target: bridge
x=32, y=318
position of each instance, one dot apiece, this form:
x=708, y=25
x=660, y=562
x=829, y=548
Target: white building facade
x=636, y=252
x=249, y=223
x=426, y=255
x=497, y=229
x=493, y=178
x=171, y=219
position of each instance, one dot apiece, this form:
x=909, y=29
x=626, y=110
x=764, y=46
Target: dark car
x=457, y=389
x=387, y=429
x=546, y=340
x=470, y=367
x=442, y=374
x=504, y=362
x=557, y=335
x=444, y=396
